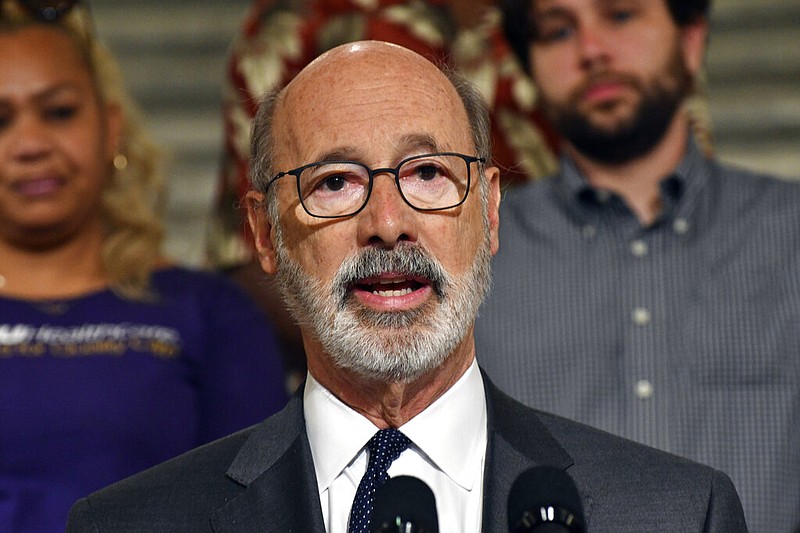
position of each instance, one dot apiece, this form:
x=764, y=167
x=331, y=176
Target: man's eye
x=333, y=183
x=427, y=172
x=621, y=15
x=553, y=33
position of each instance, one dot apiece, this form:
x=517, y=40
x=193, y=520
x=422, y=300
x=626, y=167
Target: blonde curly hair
x=134, y=198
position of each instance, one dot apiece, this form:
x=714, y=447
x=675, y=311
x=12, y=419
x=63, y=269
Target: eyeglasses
x=430, y=182
x=47, y=10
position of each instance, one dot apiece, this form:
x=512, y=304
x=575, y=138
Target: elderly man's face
x=390, y=292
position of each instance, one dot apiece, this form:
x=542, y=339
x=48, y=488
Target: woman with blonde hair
x=112, y=359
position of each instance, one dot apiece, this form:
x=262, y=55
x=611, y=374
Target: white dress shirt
x=447, y=452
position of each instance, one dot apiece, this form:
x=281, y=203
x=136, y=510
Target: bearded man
x=647, y=289
x=375, y=204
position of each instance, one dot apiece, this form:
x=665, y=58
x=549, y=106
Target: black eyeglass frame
x=395, y=171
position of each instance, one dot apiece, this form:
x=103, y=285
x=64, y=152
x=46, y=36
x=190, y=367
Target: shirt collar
x=451, y=431
x=694, y=172
x=331, y=450
x=678, y=189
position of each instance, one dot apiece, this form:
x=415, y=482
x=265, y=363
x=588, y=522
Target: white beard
x=396, y=346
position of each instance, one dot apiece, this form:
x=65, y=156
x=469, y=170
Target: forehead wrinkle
x=419, y=141
x=366, y=103
x=409, y=143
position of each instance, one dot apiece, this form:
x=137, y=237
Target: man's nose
x=386, y=219
x=592, y=44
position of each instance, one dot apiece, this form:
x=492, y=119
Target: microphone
x=544, y=499
x=404, y=504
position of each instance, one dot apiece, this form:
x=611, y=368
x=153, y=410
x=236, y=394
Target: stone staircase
x=754, y=83
x=173, y=52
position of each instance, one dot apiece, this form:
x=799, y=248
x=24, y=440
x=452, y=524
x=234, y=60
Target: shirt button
x=644, y=389
x=589, y=231
x=641, y=316
x=639, y=248
x=603, y=196
x=680, y=226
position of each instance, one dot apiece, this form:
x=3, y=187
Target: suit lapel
x=518, y=440
x=276, y=471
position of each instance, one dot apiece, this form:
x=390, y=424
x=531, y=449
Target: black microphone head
x=545, y=499
x=404, y=501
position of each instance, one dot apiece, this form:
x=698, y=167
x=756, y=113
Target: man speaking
x=375, y=204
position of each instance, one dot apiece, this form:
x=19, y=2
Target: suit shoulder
x=203, y=464
x=183, y=493
x=166, y=494
x=622, y=482
x=615, y=470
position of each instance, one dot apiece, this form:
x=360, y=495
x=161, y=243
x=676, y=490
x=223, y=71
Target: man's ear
x=694, y=37
x=261, y=227
x=493, y=175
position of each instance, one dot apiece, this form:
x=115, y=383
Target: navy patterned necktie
x=384, y=447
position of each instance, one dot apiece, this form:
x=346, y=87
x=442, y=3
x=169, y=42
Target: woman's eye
x=60, y=113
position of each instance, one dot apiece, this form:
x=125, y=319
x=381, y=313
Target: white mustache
x=406, y=260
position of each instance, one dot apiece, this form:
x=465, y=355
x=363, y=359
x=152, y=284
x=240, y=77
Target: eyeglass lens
x=429, y=182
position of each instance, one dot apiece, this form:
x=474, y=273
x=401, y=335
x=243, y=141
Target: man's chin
x=609, y=123
x=396, y=356
x=405, y=320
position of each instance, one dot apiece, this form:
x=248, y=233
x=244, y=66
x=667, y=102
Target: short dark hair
x=517, y=26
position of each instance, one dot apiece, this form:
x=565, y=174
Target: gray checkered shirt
x=684, y=335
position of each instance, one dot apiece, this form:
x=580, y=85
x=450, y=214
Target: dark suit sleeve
x=725, y=513
x=79, y=518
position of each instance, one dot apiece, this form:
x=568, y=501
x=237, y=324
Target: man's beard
x=637, y=134
x=397, y=346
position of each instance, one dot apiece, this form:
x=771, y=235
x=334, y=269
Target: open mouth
x=391, y=288
x=400, y=279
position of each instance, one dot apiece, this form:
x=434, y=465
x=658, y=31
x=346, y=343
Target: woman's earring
x=120, y=162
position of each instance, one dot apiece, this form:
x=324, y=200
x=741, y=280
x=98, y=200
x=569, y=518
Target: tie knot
x=386, y=445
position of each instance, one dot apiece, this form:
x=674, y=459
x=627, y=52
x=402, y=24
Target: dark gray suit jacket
x=262, y=480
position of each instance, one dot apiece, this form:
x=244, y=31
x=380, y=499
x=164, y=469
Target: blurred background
x=173, y=58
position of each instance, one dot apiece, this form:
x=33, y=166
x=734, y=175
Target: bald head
x=364, y=66
x=365, y=90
